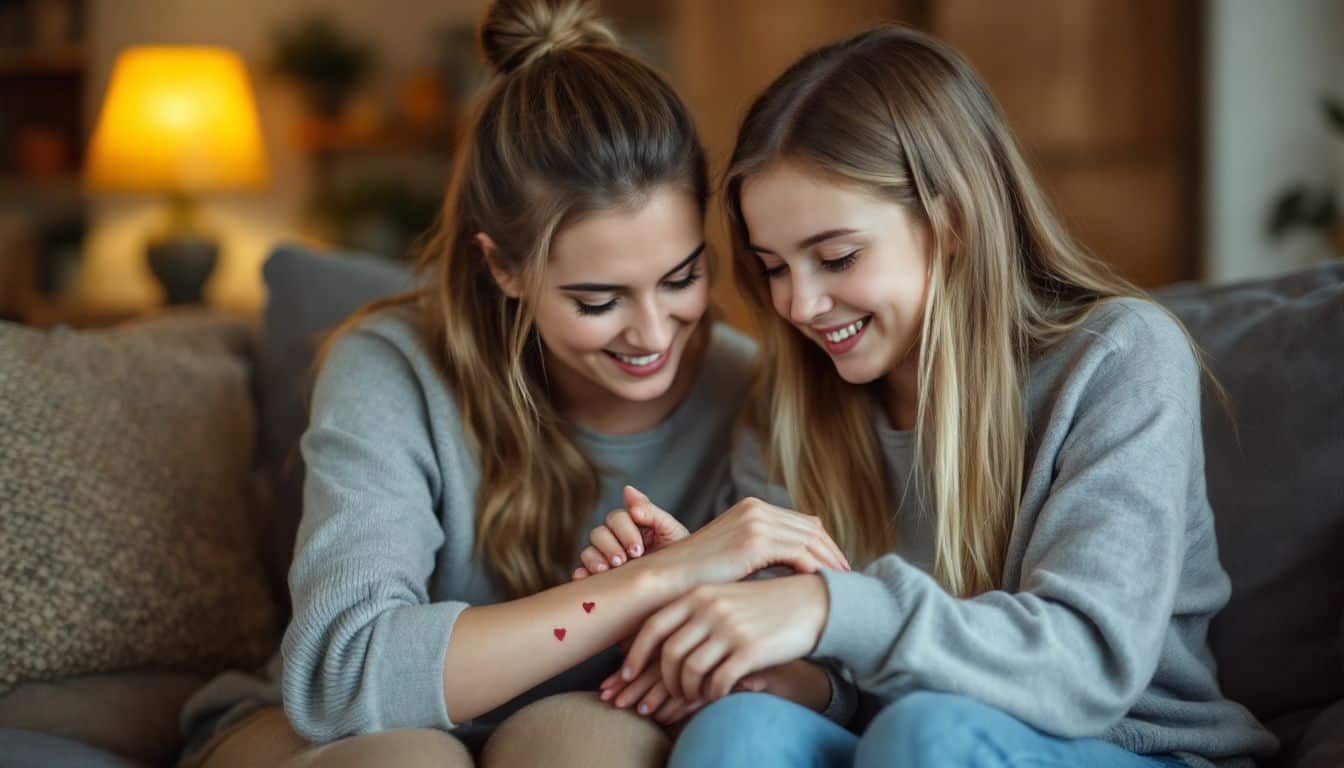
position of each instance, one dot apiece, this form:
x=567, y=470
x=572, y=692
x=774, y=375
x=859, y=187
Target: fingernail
x=636, y=551
x=627, y=673
x=601, y=567
x=643, y=709
x=616, y=561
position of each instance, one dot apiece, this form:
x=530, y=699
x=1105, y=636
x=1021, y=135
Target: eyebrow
x=809, y=241
x=608, y=287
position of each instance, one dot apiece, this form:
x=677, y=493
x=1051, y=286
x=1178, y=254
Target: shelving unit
x=43, y=70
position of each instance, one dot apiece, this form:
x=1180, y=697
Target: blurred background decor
x=1164, y=131
x=179, y=121
x=326, y=63
x=1315, y=207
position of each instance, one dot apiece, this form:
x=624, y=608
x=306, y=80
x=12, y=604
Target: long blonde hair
x=570, y=125
x=904, y=117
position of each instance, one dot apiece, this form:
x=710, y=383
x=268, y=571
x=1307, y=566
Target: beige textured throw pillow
x=126, y=538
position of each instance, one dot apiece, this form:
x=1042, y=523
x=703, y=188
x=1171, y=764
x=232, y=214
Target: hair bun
x=516, y=33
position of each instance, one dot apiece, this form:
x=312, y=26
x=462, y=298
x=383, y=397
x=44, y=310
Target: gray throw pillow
x=1275, y=484
x=307, y=295
x=125, y=488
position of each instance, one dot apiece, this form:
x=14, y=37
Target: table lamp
x=178, y=121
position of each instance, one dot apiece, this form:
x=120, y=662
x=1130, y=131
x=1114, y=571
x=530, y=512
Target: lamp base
x=182, y=265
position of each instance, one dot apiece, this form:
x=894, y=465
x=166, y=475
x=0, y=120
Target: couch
x=1275, y=473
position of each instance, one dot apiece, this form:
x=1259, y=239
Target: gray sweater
x=1112, y=572
x=383, y=560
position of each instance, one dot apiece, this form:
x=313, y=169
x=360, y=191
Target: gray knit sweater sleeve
x=364, y=650
x=1074, y=645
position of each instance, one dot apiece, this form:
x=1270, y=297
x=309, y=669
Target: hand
x=802, y=682
x=708, y=640
x=649, y=691
x=628, y=533
x=749, y=537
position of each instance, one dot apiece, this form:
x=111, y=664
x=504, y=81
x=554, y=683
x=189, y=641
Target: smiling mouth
x=637, y=361
x=844, y=332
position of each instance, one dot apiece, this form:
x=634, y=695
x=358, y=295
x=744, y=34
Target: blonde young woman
x=464, y=439
x=1004, y=434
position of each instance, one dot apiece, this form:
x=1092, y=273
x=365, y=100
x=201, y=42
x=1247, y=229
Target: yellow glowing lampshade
x=177, y=119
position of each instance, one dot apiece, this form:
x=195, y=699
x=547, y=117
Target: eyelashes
x=830, y=265
x=594, y=309
x=588, y=310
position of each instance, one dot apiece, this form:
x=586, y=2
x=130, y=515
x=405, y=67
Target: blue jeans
x=757, y=730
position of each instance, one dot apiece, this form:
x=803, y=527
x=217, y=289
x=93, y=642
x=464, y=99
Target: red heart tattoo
x=559, y=633
x=588, y=607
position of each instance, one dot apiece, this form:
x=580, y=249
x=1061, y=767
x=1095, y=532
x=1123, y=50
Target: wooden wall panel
x=1130, y=214
x=1105, y=98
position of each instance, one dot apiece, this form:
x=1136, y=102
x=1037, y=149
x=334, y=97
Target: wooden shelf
x=24, y=61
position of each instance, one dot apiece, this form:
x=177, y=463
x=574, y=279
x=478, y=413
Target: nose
x=652, y=329
x=809, y=299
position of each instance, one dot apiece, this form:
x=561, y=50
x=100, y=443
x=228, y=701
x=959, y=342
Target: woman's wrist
x=662, y=575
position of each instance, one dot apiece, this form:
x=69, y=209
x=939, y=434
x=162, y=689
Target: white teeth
x=835, y=337
x=638, y=362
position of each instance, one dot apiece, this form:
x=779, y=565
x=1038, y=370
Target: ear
x=504, y=277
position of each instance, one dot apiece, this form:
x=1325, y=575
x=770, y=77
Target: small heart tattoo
x=588, y=607
x=559, y=633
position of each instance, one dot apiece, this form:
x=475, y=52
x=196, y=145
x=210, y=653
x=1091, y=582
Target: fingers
x=605, y=541
x=675, y=651
x=626, y=532
x=633, y=497
x=593, y=561
x=676, y=710
x=636, y=689
x=646, y=514
x=754, y=683
x=698, y=665
x=578, y=574
x=777, y=534
x=733, y=669
x=818, y=540
x=790, y=550
x=656, y=629
x=653, y=700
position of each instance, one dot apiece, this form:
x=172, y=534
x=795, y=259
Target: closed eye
x=693, y=275
x=840, y=264
x=585, y=308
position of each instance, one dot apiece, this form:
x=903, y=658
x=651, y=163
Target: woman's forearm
x=499, y=651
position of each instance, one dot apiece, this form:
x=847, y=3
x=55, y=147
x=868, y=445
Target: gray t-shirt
x=383, y=560
x=1112, y=573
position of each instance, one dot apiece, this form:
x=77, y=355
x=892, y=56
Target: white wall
x=1269, y=62
x=114, y=271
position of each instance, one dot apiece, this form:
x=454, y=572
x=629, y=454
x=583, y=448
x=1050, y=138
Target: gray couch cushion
x=1275, y=485
x=307, y=295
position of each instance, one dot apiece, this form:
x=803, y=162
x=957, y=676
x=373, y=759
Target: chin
x=863, y=369
x=858, y=374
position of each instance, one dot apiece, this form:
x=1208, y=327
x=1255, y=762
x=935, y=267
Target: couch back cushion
x=126, y=539
x=308, y=293
x=1276, y=481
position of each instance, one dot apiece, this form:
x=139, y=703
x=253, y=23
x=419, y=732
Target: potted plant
x=1313, y=207
x=325, y=62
